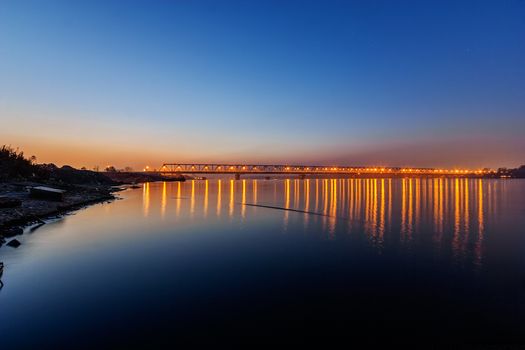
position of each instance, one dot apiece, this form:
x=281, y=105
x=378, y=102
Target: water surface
x=432, y=259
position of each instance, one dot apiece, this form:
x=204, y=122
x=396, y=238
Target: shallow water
x=433, y=259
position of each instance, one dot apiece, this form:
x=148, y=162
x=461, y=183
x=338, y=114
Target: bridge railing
x=211, y=168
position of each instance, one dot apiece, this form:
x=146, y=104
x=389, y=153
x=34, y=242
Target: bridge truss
x=210, y=168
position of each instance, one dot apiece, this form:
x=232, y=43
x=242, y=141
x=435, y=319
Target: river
x=434, y=259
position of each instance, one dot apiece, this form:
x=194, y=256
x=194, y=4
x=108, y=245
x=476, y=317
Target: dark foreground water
x=425, y=260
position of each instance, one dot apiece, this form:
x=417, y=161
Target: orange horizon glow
x=79, y=155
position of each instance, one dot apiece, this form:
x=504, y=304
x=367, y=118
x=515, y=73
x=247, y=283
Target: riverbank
x=30, y=192
x=19, y=208
x=136, y=177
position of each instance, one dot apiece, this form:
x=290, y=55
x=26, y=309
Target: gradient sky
x=400, y=83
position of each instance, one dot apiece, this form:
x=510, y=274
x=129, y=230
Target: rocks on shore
x=15, y=243
x=11, y=231
x=47, y=193
x=35, y=200
x=7, y=202
x=29, y=191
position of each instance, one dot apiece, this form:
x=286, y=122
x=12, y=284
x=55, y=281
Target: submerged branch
x=287, y=209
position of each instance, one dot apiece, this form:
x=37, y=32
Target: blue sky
x=408, y=83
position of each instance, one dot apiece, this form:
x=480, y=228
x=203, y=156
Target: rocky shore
x=30, y=192
x=19, y=208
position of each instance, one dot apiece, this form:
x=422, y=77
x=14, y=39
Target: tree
x=13, y=164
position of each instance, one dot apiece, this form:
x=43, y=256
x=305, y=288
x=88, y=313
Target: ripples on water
x=433, y=259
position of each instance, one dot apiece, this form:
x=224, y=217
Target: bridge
x=303, y=170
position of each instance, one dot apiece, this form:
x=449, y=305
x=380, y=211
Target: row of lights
x=404, y=170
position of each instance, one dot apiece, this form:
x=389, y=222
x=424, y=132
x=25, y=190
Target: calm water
x=409, y=259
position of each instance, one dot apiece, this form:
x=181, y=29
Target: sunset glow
x=156, y=89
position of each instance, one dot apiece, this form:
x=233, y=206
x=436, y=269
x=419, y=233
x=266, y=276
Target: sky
x=383, y=83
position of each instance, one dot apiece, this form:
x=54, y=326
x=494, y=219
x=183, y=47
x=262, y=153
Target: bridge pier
x=237, y=176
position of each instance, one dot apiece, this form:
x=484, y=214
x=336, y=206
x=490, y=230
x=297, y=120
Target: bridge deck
x=204, y=168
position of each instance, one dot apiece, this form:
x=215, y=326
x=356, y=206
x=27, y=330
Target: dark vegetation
x=14, y=166
x=130, y=177
x=514, y=173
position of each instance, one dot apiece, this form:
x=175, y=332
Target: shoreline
x=29, y=210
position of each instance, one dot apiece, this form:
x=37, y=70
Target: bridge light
x=231, y=168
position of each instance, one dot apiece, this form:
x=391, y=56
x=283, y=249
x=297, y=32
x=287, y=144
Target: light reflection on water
x=365, y=245
x=450, y=211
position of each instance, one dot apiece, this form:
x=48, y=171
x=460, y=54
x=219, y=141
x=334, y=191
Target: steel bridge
x=303, y=170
